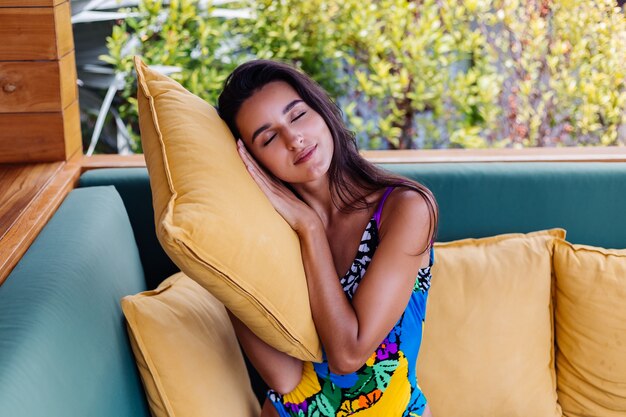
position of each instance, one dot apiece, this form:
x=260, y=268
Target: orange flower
x=366, y=400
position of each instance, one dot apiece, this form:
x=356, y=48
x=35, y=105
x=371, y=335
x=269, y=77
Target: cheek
x=319, y=125
x=270, y=161
x=329, y=138
x=262, y=160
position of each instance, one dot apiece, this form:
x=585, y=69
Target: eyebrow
x=291, y=105
x=285, y=111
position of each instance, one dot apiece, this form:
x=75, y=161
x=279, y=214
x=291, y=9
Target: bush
x=182, y=35
x=425, y=74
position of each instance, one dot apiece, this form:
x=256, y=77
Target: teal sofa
x=64, y=350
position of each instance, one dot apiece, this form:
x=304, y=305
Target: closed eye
x=298, y=116
x=271, y=138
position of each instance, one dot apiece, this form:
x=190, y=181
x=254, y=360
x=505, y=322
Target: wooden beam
x=72, y=134
x=573, y=154
x=113, y=161
x=35, y=33
x=39, y=112
x=19, y=186
x=31, y=194
x=63, y=29
x=37, y=86
x=30, y=3
x=578, y=154
x=40, y=137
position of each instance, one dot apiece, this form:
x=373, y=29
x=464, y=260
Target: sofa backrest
x=484, y=199
x=475, y=200
x=63, y=344
x=133, y=185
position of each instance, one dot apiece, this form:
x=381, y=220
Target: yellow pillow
x=215, y=223
x=591, y=330
x=488, y=338
x=187, y=352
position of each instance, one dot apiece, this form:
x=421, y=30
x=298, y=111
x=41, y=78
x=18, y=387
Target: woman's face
x=285, y=135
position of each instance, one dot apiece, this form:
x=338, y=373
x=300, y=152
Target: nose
x=294, y=138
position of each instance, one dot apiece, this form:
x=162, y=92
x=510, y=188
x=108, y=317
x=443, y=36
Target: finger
x=263, y=179
x=253, y=165
x=245, y=155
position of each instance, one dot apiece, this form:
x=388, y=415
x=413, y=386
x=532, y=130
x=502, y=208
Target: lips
x=305, y=155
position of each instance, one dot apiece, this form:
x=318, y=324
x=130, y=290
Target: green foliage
x=427, y=73
x=565, y=81
x=181, y=35
x=298, y=31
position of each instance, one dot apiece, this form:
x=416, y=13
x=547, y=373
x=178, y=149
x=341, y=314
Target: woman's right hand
x=295, y=212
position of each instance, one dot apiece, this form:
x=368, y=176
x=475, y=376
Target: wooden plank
x=19, y=185
x=63, y=27
x=579, y=154
x=30, y=3
x=72, y=135
x=36, y=33
x=31, y=137
x=573, y=154
x=68, y=85
x=113, y=161
x=42, y=86
x=33, y=215
x=40, y=137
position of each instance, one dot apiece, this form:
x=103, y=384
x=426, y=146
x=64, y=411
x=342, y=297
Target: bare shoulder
x=405, y=204
x=408, y=219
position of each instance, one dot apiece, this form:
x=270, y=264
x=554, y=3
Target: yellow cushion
x=215, y=223
x=488, y=338
x=591, y=330
x=187, y=352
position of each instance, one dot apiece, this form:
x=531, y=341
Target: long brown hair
x=352, y=178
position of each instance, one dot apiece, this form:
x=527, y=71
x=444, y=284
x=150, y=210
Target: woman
x=296, y=147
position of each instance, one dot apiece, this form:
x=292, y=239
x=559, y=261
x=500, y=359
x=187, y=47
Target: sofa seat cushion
x=187, y=352
x=591, y=330
x=63, y=344
x=488, y=346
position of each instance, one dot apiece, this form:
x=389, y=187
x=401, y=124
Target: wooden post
x=39, y=114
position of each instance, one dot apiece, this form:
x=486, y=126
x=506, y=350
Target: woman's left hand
x=291, y=208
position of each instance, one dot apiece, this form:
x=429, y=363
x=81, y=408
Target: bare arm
x=279, y=370
x=350, y=332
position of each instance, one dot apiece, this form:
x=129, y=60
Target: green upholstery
x=475, y=200
x=133, y=185
x=63, y=344
x=485, y=199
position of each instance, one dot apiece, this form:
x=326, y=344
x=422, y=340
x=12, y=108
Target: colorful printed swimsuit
x=386, y=385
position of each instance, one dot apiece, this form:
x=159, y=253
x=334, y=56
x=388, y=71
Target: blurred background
x=425, y=74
